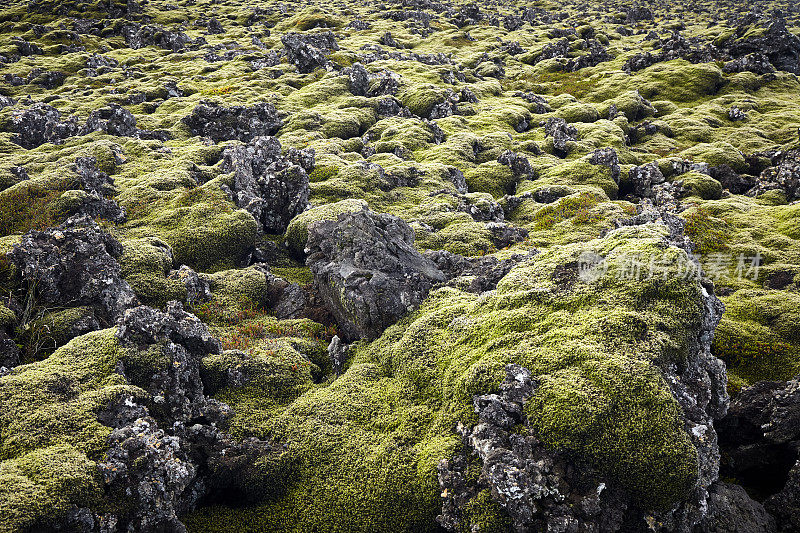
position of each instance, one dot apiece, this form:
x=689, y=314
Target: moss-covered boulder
x=600, y=348
x=297, y=233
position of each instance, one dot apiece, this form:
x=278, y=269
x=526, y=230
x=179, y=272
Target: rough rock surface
x=74, y=264
x=168, y=449
x=270, y=186
x=308, y=52
x=367, y=270
x=761, y=437
x=783, y=175
x=238, y=122
x=481, y=273
x=562, y=135
x=41, y=124
x=99, y=186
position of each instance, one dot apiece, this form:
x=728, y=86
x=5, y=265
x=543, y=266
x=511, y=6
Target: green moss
x=576, y=207
x=40, y=486
x=51, y=435
x=702, y=185
x=234, y=287
x=757, y=337
x=216, y=239
x=43, y=335
x=486, y=514
x=7, y=317
x=310, y=18
x=299, y=275
x=491, y=177
x=373, y=437
x=27, y=206
x=145, y=265
x=455, y=232
x=708, y=233
x=578, y=112
x=421, y=99
x=717, y=153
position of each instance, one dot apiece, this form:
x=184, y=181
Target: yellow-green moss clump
x=363, y=450
x=51, y=436
x=758, y=335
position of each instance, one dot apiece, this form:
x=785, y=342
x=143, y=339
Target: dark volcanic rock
x=169, y=448
x=485, y=272
x=607, y=157
x=776, y=43
x=562, y=135
x=783, y=175
x=114, y=120
x=98, y=185
x=238, y=122
x=367, y=270
x=518, y=164
x=309, y=51
x=756, y=62
x=596, y=54
x=155, y=35
x=731, y=180
x=761, y=437
x=270, y=186
x=504, y=234
x=641, y=180
x=731, y=510
x=74, y=264
x=41, y=124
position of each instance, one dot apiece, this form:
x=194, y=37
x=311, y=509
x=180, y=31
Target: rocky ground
x=404, y=266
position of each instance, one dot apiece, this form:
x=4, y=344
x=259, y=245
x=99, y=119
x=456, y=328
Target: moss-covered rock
x=595, y=348
x=297, y=232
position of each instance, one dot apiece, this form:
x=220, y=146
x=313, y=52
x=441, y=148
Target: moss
x=576, y=207
x=717, y=153
x=395, y=415
x=578, y=112
x=421, y=99
x=708, y=233
x=373, y=437
x=43, y=335
x=322, y=173
x=310, y=18
x=297, y=231
x=757, y=337
x=146, y=264
x=7, y=317
x=216, y=239
x=702, y=185
x=631, y=105
x=455, y=232
x=491, y=177
x=28, y=206
x=56, y=401
x=482, y=511
x=233, y=287
x=299, y=275
x=43, y=485
x=51, y=436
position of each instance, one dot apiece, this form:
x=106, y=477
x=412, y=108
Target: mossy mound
x=51, y=435
x=371, y=440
